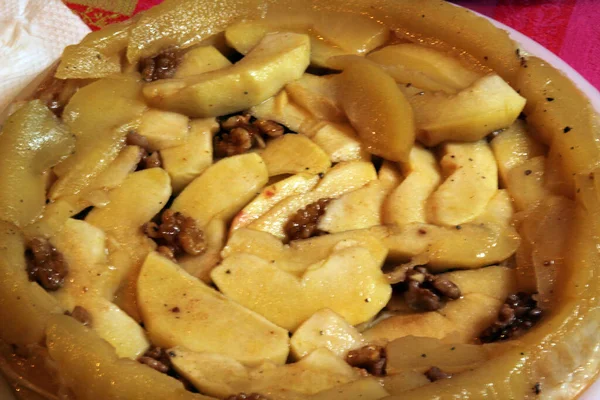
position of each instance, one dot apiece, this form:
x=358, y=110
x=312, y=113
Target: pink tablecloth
x=569, y=28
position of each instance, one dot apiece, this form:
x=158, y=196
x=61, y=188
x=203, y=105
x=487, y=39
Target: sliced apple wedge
x=399, y=383
x=487, y=105
x=376, y=108
x=23, y=302
x=99, y=115
x=325, y=329
x=424, y=67
x=288, y=300
x=277, y=60
x=390, y=175
x=281, y=110
x=340, y=142
x=164, y=129
x=141, y=196
x=293, y=154
x=513, y=146
x=407, y=203
x=358, y=209
x=271, y=195
x=200, y=60
x=525, y=183
x=343, y=178
x=317, y=95
x=91, y=369
x=231, y=183
x=460, y=321
x=296, y=257
x=214, y=374
x=43, y=142
x=188, y=160
x=179, y=310
x=361, y=389
x=471, y=181
x=91, y=284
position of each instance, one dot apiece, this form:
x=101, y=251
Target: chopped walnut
x=176, y=234
x=304, y=224
x=45, y=264
x=435, y=374
x=518, y=314
x=244, y=396
x=239, y=134
x=55, y=93
x=372, y=358
x=161, y=66
x=150, y=159
x=422, y=290
x=81, y=314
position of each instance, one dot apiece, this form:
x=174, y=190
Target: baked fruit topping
x=300, y=201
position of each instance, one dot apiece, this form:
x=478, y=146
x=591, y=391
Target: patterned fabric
x=569, y=28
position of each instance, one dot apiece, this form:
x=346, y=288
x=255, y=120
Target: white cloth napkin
x=33, y=34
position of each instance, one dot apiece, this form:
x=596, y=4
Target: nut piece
x=422, y=290
x=371, y=358
x=239, y=134
x=156, y=358
x=176, y=235
x=518, y=314
x=149, y=159
x=244, y=396
x=435, y=374
x=162, y=66
x=45, y=264
x=304, y=224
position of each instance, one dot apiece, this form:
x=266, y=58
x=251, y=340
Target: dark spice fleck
x=537, y=388
x=549, y=98
x=528, y=172
x=567, y=129
x=371, y=358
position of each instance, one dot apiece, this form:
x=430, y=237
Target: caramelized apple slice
x=91, y=369
x=293, y=154
x=487, y=105
x=141, y=196
x=424, y=67
x=188, y=160
x=163, y=129
x=33, y=140
x=97, y=55
x=277, y=60
x=200, y=60
x=340, y=142
x=99, y=115
x=325, y=329
x=281, y=110
x=317, y=95
x=407, y=203
x=377, y=109
x=358, y=209
x=223, y=189
x=343, y=178
x=361, y=389
x=91, y=284
x=526, y=183
x=178, y=309
x=271, y=195
x=513, y=146
x=23, y=302
x=471, y=181
x=349, y=282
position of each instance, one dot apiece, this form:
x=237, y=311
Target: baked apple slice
x=288, y=300
x=277, y=60
x=200, y=60
x=293, y=154
x=486, y=106
x=424, y=67
x=317, y=95
x=178, y=309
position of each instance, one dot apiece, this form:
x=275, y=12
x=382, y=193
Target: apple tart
x=316, y=200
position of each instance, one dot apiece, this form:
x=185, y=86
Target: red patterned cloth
x=569, y=28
